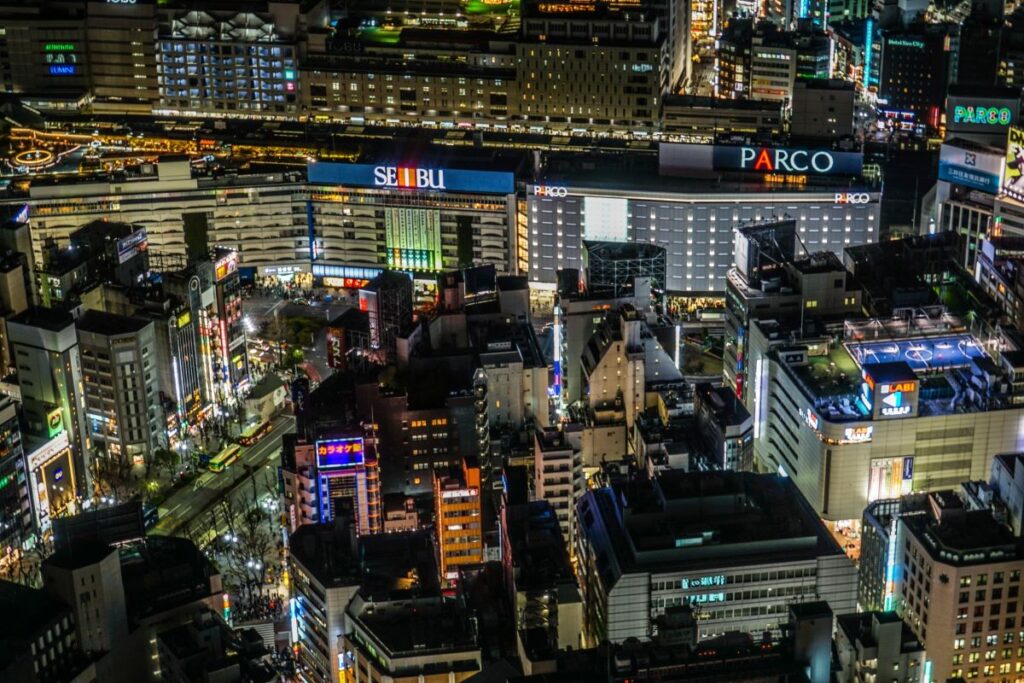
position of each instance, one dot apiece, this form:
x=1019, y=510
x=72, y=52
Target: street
x=202, y=494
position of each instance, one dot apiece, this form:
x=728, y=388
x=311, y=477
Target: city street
x=202, y=494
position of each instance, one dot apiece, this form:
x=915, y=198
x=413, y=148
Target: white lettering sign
x=852, y=198
x=550, y=191
x=408, y=176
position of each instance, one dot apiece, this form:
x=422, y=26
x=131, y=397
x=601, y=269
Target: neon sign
x=407, y=176
x=992, y=116
x=59, y=47
x=858, y=434
x=788, y=160
x=62, y=69
x=702, y=581
x=333, y=454
x=900, y=42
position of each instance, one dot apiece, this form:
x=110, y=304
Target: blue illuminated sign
x=334, y=454
x=62, y=69
x=412, y=178
x=702, y=581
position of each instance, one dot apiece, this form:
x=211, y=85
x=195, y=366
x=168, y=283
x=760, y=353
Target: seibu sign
x=408, y=176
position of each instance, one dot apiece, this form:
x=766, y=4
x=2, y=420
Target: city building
x=459, y=521
x=914, y=75
x=705, y=117
x=325, y=575
x=220, y=61
x=407, y=637
x=558, y=477
x=39, y=645
x=636, y=52
x=770, y=283
x=822, y=402
x=330, y=477
x=88, y=580
x=232, y=359
x=999, y=270
x=877, y=644
x=822, y=109
x=121, y=388
x=540, y=580
x=725, y=426
x=387, y=300
x=15, y=297
x=50, y=378
x=688, y=200
x=965, y=194
x=15, y=500
x=959, y=588
x=1007, y=482
x=740, y=547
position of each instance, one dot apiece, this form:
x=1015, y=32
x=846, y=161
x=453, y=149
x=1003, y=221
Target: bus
x=254, y=434
x=227, y=456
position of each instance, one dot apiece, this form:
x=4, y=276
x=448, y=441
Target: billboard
x=895, y=399
x=135, y=243
x=1013, y=170
x=412, y=177
x=605, y=219
x=333, y=454
x=682, y=157
x=54, y=423
x=976, y=169
x=227, y=265
x=974, y=114
x=413, y=238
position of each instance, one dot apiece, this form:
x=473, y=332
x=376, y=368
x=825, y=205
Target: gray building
x=121, y=382
x=49, y=369
x=740, y=547
x=878, y=646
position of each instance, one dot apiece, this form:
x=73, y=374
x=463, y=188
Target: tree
x=165, y=458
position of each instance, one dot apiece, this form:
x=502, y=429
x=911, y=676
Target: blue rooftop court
x=921, y=354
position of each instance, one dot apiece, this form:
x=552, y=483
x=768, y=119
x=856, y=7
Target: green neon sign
x=59, y=47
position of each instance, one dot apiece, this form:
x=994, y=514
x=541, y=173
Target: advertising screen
x=1013, y=170
x=981, y=114
x=412, y=178
x=413, y=238
x=131, y=245
x=605, y=219
x=332, y=454
x=971, y=168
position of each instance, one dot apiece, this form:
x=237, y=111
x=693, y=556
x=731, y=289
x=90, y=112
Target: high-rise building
x=15, y=504
x=558, y=478
x=323, y=478
x=88, y=579
x=959, y=588
x=121, y=387
x=725, y=426
x=870, y=642
x=916, y=68
x=49, y=368
x=232, y=364
x=458, y=519
x=387, y=300
x=227, y=62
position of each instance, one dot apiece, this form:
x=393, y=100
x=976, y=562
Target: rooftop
x=51, y=319
x=110, y=324
x=29, y=611
x=957, y=536
x=538, y=549
x=689, y=521
x=863, y=628
x=417, y=628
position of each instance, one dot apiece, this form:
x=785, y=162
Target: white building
x=558, y=477
x=740, y=547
